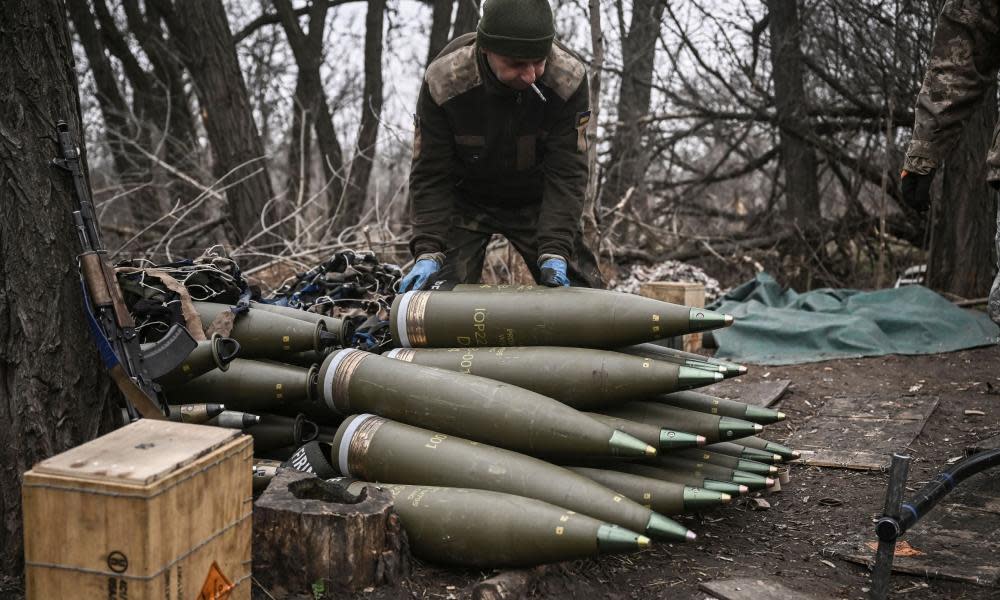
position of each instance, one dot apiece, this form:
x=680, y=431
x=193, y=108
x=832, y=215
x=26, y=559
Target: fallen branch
x=508, y=585
x=732, y=247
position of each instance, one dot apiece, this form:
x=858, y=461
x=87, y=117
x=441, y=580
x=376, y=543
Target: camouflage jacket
x=963, y=65
x=482, y=143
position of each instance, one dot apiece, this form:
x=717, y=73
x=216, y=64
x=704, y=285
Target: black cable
x=889, y=529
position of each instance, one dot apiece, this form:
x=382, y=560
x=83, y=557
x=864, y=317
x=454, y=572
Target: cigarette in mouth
x=539, y=92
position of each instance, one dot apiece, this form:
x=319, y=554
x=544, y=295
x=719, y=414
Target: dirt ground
x=816, y=508
x=785, y=542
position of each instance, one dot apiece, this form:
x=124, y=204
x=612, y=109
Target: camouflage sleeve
x=432, y=179
x=963, y=64
x=565, y=171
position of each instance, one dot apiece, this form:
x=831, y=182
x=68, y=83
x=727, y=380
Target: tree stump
x=308, y=532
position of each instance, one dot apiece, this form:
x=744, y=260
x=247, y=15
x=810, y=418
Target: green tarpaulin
x=782, y=327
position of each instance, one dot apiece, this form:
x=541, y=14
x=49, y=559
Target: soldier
x=501, y=147
x=962, y=69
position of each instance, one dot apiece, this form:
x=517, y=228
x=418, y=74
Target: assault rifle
x=132, y=367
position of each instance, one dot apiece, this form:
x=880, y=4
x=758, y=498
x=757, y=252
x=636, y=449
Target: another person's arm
x=962, y=67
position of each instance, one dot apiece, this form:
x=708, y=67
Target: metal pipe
x=938, y=488
x=882, y=568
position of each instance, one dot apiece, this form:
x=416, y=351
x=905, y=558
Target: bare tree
x=629, y=153
x=591, y=232
x=371, y=112
x=798, y=158
x=440, y=26
x=310, y=111
x=201, y=35
x=53, y=393
x=466, y=17
x=961, y=260
x=134, y=169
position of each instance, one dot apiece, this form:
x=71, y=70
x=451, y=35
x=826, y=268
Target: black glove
x=916, y=190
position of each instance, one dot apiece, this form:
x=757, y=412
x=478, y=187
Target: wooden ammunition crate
x=678, y=292
x=155, y=509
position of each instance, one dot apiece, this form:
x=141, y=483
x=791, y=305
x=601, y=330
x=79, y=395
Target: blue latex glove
x=554, y=272
x=422, y=270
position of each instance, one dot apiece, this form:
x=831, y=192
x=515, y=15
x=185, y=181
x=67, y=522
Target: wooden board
x=990, y=443
x=140, y=454
x=748, y=588
x=861, y=432
x=762, y=393
x=958, y=540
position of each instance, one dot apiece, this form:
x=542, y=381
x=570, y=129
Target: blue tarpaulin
x=782, y=327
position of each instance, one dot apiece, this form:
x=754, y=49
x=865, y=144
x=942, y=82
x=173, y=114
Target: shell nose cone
x=701, y=319
x=623, y=444
x=689, y=377
x=662, y=528
x=762, y=416
x=612, y=539
x=670, y=438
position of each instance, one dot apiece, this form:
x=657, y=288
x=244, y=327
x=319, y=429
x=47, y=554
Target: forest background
x=739, y=135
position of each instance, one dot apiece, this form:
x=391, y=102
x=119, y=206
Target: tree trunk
x=53, y=392
x=591, y=231
x=169, y=110
x=310, y=111
x=200, y=30
x=132, y=167
x=306, y=530
x=961, y=260
x=308, y=52
x=440, y=25
x=798, y=158
x=629, y=152
x=466, y=17
x=371, y=112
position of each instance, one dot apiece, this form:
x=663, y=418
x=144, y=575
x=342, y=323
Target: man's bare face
x=516, y=73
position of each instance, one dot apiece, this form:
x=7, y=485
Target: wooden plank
x=838, y=459
x=847, y=433
x=979, y=492
x=762, y=393
x=956, y=541
x=748, y=588
x=904, y=408
x=990, y=443
x=139, y=454
x=857, y=433
x=953, y=564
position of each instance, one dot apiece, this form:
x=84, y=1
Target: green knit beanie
x=516, y=28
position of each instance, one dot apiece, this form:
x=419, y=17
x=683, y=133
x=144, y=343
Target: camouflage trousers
x=472, y=226
x=993, y=306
